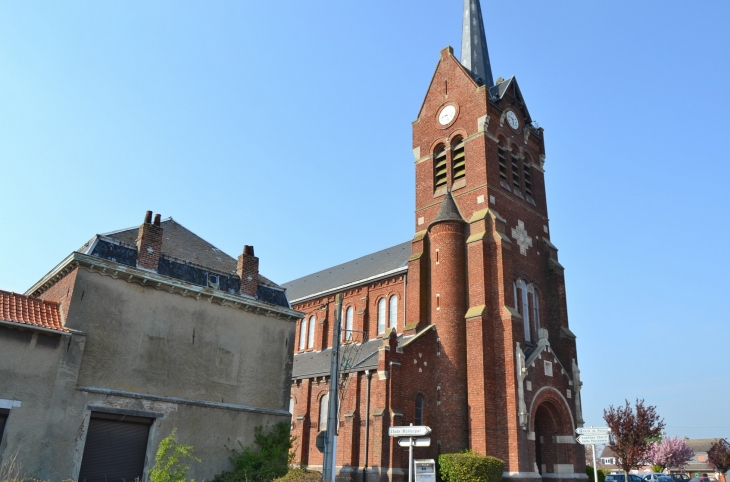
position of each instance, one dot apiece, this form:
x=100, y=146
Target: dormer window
x=458, y=169
x=213, y=281
x=439, y=167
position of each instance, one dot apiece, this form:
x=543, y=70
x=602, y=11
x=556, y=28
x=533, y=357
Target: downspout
x=369, y=376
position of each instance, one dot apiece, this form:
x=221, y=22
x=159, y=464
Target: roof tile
x=26, y=310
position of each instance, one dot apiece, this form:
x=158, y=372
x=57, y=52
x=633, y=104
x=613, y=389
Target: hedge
x=601, y=474
x=300, y=475
x=470, y=467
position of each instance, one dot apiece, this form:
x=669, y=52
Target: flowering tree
x=719, y=456
x=632, y=432
x=670, y=452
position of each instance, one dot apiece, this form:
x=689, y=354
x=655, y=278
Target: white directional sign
x=594, y=439
x=417, y=442
x=592, y=430
x=412, y=431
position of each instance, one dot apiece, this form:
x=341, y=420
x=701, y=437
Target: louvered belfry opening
x=502, y=164
x=516, y=173
x=115, y=448
x=458, y=159
x=527, y=173
x=3, y=419
x=439, y=167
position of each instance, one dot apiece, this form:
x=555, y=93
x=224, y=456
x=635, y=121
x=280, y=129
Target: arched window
x=302, y=333
x=310, y=344
x=348, y=323
x=439, y=167
x=419, y=410
x=525, y=310
x=536, y=310
x=381, y=316
x=458, y=160
x=393, y=313
x=323, y=409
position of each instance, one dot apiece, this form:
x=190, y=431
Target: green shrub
x=169, y=466
x=601, y=474
x=265, y=460
x=470, y=467
x=300, y=475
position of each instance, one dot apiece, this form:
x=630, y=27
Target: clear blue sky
x=287, y=125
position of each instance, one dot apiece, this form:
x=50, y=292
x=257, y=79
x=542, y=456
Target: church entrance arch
x=552, y=426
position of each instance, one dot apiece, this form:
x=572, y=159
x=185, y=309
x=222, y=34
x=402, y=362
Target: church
x=463, y=328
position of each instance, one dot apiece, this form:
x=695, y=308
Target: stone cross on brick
x=523, y=240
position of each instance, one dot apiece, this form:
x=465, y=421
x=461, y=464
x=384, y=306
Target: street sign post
x=593, y=439
x=592, y=436
x=416, y=442
x=592, y=430
x=410, y=431
x=411, y=439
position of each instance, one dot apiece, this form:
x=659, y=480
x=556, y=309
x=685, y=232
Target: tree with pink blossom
x=670, y=452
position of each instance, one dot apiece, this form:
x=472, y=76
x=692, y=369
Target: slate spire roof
x=448, y=211
x=474, y=53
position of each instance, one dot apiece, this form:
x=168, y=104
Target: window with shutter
x=458, y=160
x=115, y=448
x=439, y=167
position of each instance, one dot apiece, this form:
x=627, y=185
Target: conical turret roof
x=448, y=212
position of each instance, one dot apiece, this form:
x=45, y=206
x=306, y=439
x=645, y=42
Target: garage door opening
x=115, y=448
x=3, y=418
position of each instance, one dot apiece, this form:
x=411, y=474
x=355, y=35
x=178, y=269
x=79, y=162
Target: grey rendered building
x=138, y=332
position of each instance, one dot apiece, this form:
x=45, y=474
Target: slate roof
x=185, y=256
x=34, y=312
x=317, y=364
x=448, y=211
x=181, y=243
x=700, y=444
x=359, y=269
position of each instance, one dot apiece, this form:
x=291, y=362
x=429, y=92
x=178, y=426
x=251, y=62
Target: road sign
x=592, y=430
x=321, y=438
x=412, y=431
x=594, y=439
x=416, y=442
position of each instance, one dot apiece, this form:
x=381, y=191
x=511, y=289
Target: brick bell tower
x=484, y=272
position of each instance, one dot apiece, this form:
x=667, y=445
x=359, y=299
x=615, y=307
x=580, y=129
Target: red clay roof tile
x=26, y=310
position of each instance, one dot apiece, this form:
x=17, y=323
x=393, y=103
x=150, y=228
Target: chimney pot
x=157, y=219
x=248, y=250
x=148, y=217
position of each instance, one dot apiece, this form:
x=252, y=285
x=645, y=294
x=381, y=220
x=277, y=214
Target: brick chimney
x=149, y=243
x=248, y=270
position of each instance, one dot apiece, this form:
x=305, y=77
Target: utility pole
x=330, y=447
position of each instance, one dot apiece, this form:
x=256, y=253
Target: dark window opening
x=3, y=420
x=419, y=410
x=439, y=168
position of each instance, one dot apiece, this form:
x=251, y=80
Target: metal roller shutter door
x=115, y=448
x=3, y=418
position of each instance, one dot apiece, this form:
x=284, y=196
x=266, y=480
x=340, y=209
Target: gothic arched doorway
x=553, y=431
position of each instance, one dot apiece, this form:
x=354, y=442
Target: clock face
x=447, y=114
x=512, y=120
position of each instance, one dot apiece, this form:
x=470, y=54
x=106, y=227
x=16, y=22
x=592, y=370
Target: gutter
x=20, y=325
x=386, y=274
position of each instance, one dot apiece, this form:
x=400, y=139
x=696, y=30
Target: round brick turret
x=448, y=306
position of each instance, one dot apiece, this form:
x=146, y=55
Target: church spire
x=474, y=53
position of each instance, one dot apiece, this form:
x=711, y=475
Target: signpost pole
x=595, y=470
x=410, y=458
x=330, y=457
